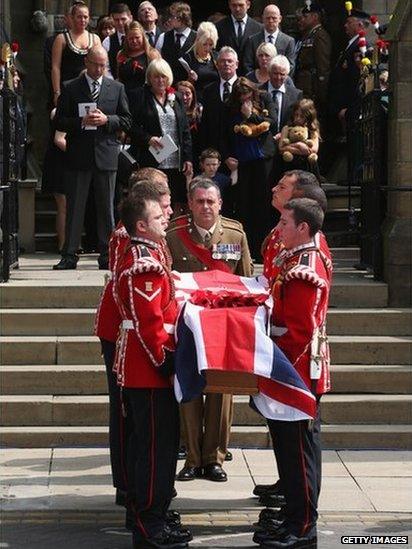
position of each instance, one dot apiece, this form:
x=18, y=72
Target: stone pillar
x=397, y=228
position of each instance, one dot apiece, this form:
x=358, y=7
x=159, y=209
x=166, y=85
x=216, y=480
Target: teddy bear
x=252, y=130
x=296, y=134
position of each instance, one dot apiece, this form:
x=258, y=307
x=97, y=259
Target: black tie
x=150, y=37
x=239, y=31
x=226, y=91
x=270, y=38
x=178, y=37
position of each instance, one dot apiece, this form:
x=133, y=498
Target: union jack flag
x=224, y=325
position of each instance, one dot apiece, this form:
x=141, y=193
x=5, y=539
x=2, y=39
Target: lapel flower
x=136, y=66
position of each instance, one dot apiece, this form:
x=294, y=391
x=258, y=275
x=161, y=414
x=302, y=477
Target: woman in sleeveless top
x=134, y=58
x=71, y=47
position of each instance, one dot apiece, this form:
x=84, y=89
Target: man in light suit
x=235, y=29
x=92, y=151
x=284, y=44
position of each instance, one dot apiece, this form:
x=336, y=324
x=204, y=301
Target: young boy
x=209, y=161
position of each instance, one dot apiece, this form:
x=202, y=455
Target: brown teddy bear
x=249, y=129
x=296, y=134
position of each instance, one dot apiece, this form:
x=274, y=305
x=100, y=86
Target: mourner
x=300, y=293
x=144, y=293
x=200, y=241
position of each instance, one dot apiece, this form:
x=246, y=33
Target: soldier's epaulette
x=120, y=232
x=176, y=223
x=306, y=273
x=144, y=264
x=229, y=223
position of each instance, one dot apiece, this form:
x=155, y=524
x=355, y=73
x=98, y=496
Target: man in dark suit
x=284, y=44
x=147, y=17
x=344, y=94
x=92, y=151
x=121, y=16
x=235, y=29
x=282, y=89
x=174, y=43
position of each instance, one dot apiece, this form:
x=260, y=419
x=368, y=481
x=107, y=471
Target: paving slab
x=383, y=464
x=261, y=463
x=388, y=494
x=343, y=494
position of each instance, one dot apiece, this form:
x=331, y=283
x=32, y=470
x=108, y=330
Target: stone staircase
x=53, y=382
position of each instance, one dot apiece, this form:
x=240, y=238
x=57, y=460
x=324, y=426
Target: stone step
x=72, y=322
x=350, y=289
x=43, y=410
x=91, y=380
x=345, y=436
x=67, y=350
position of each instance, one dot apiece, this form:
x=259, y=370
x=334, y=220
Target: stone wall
x=398, y=224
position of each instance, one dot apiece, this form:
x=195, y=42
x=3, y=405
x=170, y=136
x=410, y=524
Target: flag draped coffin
x=224, y=325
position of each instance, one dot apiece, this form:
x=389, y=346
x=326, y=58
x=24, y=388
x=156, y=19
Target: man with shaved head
x=91, y=109
x=271, y=33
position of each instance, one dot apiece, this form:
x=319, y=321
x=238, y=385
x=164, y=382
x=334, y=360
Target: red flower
x=374, y=19
x=136, y=66
x=15, y=47
x=121, y=59
x=170, y=90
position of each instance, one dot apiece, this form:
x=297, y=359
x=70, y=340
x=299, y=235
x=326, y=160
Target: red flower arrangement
x=15, y=47
x=211, y=300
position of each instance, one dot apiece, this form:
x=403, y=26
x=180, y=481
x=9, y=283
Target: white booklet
x=86, y=108
x=169, y=147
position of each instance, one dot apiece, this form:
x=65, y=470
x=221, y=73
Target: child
x=209, y=161
x=302, y=155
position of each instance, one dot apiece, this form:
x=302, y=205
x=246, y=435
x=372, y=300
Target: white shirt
x=282, y=89
x=231, y=82
x=203, y=232
x=274, y=34
x=106, y=46
x=161, y=39
x=236, y=24
x=91, y=80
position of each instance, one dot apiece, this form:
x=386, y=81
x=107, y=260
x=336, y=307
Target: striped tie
x=96, y=90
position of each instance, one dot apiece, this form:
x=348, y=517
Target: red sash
x=200, y=252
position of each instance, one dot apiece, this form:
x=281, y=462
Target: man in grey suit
x=92, y=151
x=282, y=89
x=284, y=44
x=235, y=29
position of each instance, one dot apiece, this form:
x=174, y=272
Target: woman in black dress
x=134, y=58
x=71, y=47
x=194, y=114
x=201, y=58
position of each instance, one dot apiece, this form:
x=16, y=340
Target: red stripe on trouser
x=305, y=483
x=122, y=421
x=151, y=466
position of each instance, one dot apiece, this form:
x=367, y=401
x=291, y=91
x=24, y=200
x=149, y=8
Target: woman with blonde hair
x=157, y=110
x=264, y=55
x=134, y=58
x=201, y=58
x=71, y=47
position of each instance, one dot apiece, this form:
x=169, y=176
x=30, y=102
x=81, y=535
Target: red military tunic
x=144, y=292
x=272, y=248
x=301, y=295
x=108, y=318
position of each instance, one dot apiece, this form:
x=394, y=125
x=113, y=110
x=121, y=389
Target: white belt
x=278, y=331
x=127, y=325
x=169, y=328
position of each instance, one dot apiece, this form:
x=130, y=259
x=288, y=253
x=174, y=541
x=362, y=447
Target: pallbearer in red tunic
x=293, y=184
x=301, y=294
x=107, y=324
x=145, y=295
